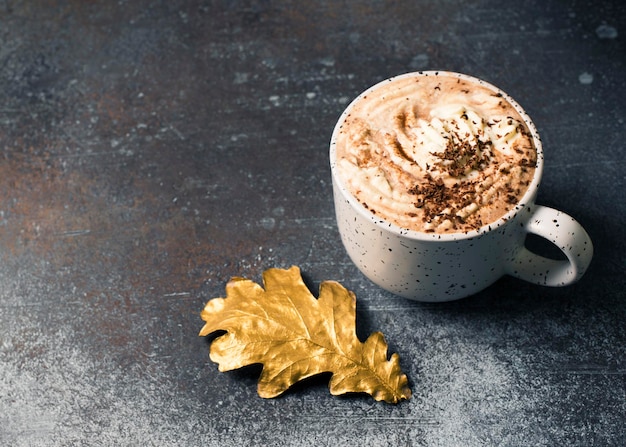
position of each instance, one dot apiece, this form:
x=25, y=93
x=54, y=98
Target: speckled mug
x=443, y=267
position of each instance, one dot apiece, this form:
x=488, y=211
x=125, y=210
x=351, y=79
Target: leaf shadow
x=247, y=374
x=318, y=382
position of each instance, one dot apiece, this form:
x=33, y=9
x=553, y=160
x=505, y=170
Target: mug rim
x=526, y=201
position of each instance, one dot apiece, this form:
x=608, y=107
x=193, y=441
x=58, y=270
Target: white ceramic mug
x=443, y=267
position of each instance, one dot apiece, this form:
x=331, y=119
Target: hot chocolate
x=435, y=153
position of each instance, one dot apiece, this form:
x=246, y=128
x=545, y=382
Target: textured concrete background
x=153, y=149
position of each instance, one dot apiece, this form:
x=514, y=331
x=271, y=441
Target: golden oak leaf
x=295, y=336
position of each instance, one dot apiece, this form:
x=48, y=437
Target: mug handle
x=564, y=232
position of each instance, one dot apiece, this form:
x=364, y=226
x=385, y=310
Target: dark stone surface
x=153, y=149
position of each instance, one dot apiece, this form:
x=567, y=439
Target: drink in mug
x=434, y=178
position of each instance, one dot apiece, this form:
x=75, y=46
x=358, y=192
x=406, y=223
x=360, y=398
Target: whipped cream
x=435, y=153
